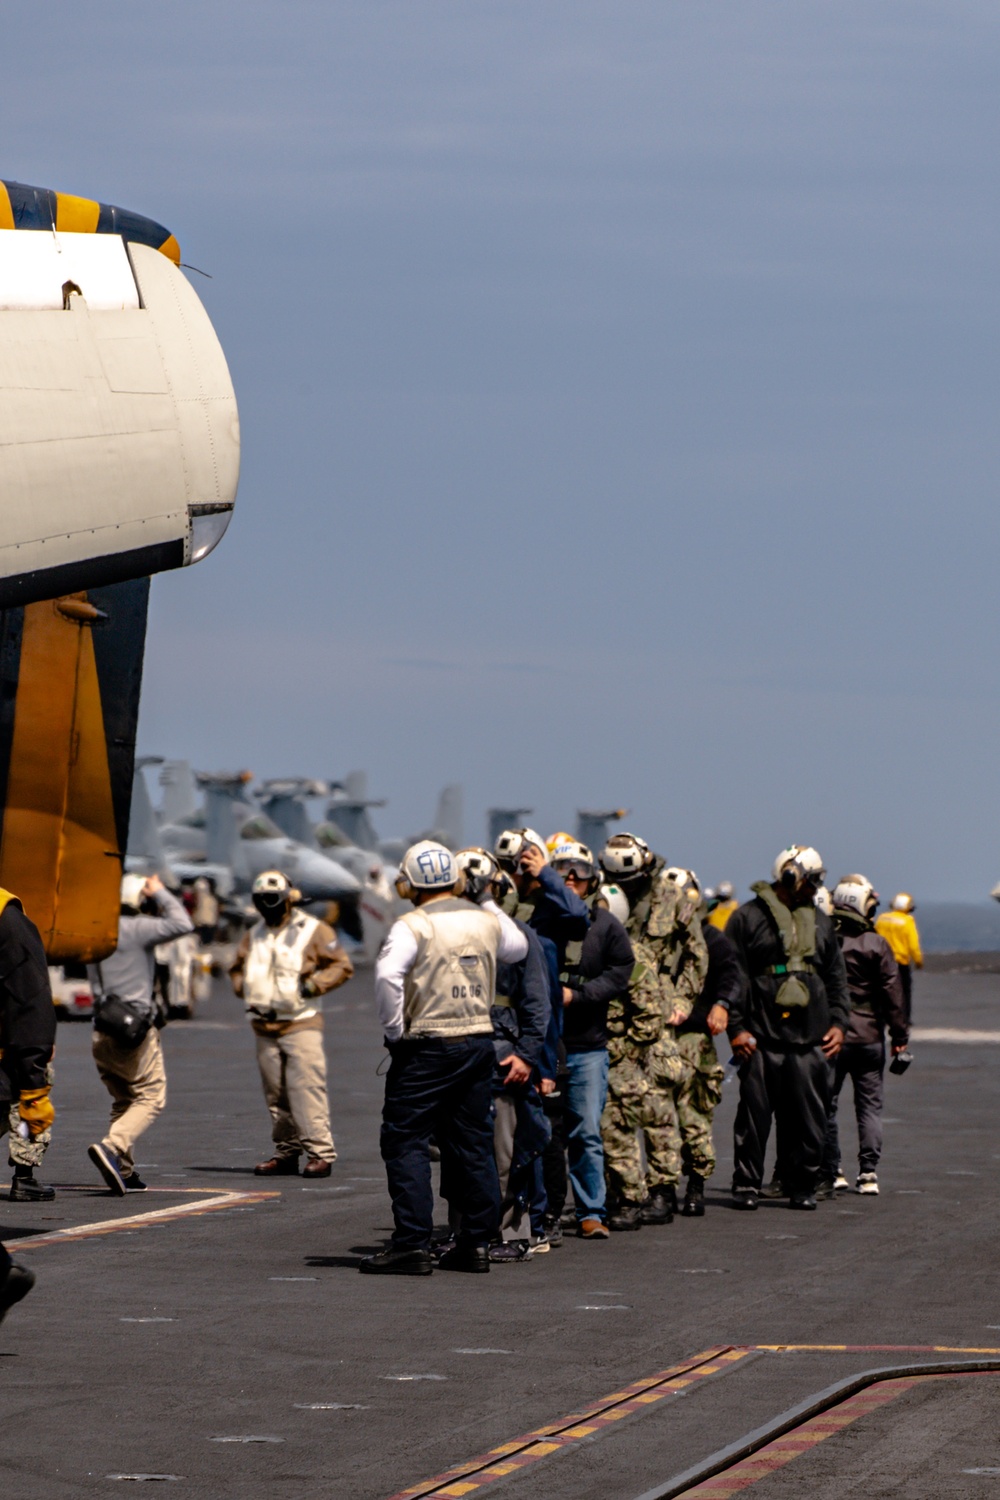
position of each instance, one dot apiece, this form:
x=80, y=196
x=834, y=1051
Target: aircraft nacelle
x=119, y=435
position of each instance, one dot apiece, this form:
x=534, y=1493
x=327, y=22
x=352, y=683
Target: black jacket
x=604, y=969
x=873, y=981
x=27, y=1015
x=724, y=982
x=754, y=934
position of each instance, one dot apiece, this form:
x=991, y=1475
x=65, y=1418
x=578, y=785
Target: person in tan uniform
x=284, y=964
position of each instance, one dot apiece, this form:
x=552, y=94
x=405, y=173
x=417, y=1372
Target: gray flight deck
x=155, y=1348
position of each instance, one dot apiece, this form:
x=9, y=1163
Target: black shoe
x=694, y=1198
x=27, y=1190
x=824, y=1190
x=802, y=1200
x=657, y=1208
x=15, y=1285
x=109, y=1167
x=135, y=1184
x=474, y=1258
x=398, y=1263
x=626, y=1216
x=744, y=1197
x=774, y=1189
x=553, y=1230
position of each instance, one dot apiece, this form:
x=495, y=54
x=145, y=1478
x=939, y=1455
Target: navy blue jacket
x=521, y=1027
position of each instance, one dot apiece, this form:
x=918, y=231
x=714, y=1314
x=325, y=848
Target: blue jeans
x=586, y=1092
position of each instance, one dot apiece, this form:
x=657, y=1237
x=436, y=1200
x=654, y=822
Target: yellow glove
x=36, y=1110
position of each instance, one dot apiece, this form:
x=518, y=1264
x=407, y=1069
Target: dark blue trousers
x=443, y=1089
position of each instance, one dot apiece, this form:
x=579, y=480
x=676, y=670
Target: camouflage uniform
x=29, y=1152
x=697, y=1097
x=648, y=1063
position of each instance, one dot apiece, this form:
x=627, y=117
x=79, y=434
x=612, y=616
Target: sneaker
x=539, y=1244
x=474, y=1258
x=745, y=1198
x=16, y=1284
x=398, y=1263
x=867, y=1184
x=593, y=1229
x=802, y=1200
x=508, y=1250
x=840, y=1182
x=824, y=1190
x=694, y=1198
x=28, y=1190
x=553, y=1232
x=135, y=1184
x=626, y=1216
x=109, y=1167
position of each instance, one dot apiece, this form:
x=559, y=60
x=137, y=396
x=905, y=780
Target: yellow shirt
x=720, y=916
x=900, y=931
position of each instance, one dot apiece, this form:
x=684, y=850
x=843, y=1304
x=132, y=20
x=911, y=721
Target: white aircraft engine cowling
x=119, y=434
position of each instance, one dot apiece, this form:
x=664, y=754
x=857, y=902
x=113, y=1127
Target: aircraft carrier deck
x=214, y=1332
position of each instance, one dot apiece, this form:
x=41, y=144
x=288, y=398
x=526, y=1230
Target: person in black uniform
x=27, y=1038
x=787, y=1028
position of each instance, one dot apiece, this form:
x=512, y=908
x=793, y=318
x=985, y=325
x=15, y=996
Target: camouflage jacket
x=671, y=964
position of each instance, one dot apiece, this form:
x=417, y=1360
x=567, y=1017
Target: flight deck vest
x=449, y=989
x=273, y=969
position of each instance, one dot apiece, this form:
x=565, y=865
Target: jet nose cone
x=323, y=879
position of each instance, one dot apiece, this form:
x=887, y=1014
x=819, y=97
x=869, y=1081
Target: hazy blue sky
x=619, y=390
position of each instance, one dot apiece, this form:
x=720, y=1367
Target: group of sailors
x=550, y=1020
x=549, y=1015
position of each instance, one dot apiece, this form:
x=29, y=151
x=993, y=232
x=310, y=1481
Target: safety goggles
x=574, y=869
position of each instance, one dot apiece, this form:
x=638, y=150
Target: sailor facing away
x=435, y=983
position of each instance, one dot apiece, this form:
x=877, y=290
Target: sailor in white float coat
x=435, y=983
x=285, y=962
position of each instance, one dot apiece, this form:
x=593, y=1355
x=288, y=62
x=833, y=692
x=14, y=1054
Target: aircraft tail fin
x=180, y=798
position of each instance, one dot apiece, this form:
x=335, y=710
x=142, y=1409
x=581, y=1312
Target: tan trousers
x=293, y=1071
x=137, y=1082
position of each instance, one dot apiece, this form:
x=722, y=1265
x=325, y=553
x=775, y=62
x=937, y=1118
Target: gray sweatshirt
x=128, y=972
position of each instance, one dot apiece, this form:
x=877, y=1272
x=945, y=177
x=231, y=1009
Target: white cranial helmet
x=512, y=843
x=686, y=879
x=272, y=883
x=625, y=856
x=480, y=870
x=823, y=901
x=429, y=866
x=855, y=893
x=616, y=901
x=798, y=865
x=132, y=889
x=903, y=902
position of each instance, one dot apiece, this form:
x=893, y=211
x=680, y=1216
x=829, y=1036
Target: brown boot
x=317, y=1167
x=593, y=1229
x=278, y=1166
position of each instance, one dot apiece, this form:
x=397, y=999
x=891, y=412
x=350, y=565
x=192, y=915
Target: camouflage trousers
x=696, y=1098
x=642, y=1100
x=29, y=1152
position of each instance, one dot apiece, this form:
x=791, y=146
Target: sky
x=618, y=387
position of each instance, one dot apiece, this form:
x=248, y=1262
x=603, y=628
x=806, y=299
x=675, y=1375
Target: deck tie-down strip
x=508, y=1457
x=145, y=1220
